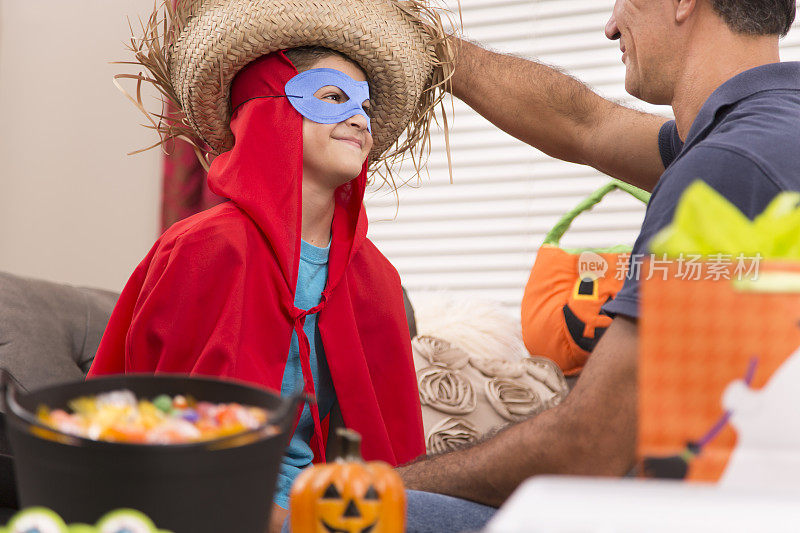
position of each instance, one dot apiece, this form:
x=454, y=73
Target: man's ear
x=684, y=9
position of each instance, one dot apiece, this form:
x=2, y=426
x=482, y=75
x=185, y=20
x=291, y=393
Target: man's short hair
x=757, y=17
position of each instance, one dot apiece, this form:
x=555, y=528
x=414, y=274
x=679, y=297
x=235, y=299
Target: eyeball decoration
x=125, y=521
x=43, y=520
x=348, y=495
x=82, y=528
x=37, y=520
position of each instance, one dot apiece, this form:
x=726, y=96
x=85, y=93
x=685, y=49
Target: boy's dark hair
x=757, y=17
x=303, y=57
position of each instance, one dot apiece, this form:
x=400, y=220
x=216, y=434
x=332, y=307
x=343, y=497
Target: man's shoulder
x=750, y=154
x=746, y=180
x=768, y=114
x=762, y=129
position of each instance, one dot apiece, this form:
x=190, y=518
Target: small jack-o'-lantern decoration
x=561, y=308
x=348, y=495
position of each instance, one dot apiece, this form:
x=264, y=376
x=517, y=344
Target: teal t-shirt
x=311, y=279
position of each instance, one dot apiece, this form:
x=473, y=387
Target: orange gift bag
x=719, y=370
x=561, y=317
x=719, y=347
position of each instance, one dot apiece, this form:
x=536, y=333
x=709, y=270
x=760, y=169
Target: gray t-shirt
x=745, y=143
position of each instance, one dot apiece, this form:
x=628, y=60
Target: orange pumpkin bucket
x=561, y=317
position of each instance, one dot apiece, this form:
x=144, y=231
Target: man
x=737, y=127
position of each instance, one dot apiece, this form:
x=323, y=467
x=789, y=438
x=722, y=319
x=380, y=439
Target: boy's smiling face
x=333, y=154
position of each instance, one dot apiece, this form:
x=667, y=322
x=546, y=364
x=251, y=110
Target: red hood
x=263, y=172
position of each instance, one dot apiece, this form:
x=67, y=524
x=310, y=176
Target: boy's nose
x=358, y=121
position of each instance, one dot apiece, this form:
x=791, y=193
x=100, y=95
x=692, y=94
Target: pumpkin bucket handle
x=554, y=236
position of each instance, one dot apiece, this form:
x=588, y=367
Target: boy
x=284, y=267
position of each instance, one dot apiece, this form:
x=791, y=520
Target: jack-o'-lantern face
x=350, y=508
x=561, y=307
x=585, y=321
x=348, y=496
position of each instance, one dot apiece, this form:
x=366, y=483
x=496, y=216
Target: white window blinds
x=479, y=236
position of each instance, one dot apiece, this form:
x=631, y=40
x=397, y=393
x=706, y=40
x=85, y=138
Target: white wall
x=73, y=206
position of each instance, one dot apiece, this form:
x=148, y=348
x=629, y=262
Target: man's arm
x=592, y=433
x=277, y=518
x=559, y=115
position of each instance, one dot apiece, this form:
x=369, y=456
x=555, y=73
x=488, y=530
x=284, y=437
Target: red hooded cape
x=215, y=294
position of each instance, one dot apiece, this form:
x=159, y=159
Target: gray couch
x=49, y=333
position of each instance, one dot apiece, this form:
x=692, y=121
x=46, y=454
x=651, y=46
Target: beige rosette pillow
x=474, y=373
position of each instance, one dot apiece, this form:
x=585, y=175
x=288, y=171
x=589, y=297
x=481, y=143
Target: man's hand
x=592, y=433
x=558, y=114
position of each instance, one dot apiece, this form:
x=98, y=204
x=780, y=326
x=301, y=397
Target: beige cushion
x=464, y=398
x=473, y=372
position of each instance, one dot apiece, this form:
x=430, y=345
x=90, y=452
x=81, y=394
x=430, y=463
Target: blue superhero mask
x=300, y=91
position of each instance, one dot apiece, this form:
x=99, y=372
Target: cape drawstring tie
x=299, y=316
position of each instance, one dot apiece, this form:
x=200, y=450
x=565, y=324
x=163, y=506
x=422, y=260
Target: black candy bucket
x=208, y=487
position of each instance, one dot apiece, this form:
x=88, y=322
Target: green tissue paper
x=706, y=223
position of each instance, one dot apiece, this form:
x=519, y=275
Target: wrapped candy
x=118, y=416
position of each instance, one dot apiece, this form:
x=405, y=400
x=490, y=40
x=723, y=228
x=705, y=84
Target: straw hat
x=194, y=49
